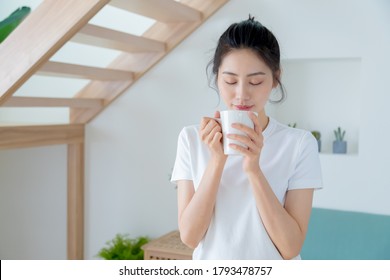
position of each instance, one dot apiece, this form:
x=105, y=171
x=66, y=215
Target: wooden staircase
x=27, y=51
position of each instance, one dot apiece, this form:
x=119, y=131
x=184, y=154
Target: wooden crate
x=167, y=247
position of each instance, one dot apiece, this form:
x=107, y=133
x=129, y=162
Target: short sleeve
x=307, y=171
x=182, y=167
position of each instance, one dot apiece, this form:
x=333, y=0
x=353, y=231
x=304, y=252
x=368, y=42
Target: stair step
x=160, y=10
x=108, y=38
x=38, y=37
x=20, y=101
x=60, y=69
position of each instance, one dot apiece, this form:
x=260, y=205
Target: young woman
x=257, y=205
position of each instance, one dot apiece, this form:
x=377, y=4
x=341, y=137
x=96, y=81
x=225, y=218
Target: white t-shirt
x=289, y=160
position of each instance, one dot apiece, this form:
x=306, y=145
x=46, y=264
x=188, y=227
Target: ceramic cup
x=229, y=117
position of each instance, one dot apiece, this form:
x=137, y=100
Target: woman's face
x=245, y=81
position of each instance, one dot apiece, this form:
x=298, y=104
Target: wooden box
x=167, y=247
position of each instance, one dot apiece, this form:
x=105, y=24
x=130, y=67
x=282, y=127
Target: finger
x=217, y=114
x=204, y=122
x=207, y=125
x=213, y=125
x=244, y=140
x=242, y=150
x=217, y=138
x=256, y=122
x=212, y=133
x=252, y=134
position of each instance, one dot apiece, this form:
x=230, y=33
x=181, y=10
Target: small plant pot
x=339, y=147
x=319, y=145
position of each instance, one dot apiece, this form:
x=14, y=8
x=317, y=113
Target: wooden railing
x=26, y=52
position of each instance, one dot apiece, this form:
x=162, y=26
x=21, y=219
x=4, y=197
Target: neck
x=263, y=119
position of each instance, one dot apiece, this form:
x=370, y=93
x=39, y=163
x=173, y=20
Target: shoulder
x=189, y=135
x=190, y=131
x=298, y=137
x=288, y=131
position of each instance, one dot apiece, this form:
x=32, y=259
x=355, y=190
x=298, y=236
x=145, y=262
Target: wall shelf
x=322, y=94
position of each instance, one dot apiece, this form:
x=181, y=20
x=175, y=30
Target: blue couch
x=344, y=235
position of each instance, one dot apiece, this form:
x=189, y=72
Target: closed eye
x=256, y=84
x=230, y=83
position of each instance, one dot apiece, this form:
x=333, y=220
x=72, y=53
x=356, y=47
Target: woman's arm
x=195, y=209
x=287, y=226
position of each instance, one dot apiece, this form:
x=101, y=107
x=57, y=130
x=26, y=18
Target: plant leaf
x=12, y=21
x=124, y=248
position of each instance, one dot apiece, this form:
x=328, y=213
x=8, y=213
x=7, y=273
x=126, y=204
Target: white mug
x=228, y=117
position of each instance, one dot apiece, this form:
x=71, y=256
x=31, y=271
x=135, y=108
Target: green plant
x=339, y=134
x=12, y=21
x=294, y=125
x=316, y=134
x=122, y=247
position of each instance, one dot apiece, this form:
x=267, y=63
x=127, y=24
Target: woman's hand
x=254, y=142
x=211, y=135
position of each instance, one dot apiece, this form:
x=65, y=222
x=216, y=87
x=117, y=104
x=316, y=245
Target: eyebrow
x=249, y=75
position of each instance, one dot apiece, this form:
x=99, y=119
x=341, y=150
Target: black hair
x=249, y=34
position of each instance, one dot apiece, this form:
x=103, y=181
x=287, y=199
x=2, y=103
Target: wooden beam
x=20, y=101
x=24, y=136
x=75, y=208
x=107, y=38
x=60, y=69
x=171, y=33
x=38, y=37
x=160, y=10
x=208, y=8
x=107, y=90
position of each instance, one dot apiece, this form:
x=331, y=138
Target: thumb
x=217, y=114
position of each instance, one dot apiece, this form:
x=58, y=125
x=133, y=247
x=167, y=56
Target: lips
x=243, y=107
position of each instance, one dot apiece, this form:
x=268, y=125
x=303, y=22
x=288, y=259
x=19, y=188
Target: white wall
x=33, y=203
x=131, y=146
x=323, y=94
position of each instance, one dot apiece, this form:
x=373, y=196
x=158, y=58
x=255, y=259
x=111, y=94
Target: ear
x=277, y=76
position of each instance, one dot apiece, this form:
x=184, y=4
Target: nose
x=242, y=93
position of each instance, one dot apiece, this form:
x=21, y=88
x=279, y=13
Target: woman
x=258, y=205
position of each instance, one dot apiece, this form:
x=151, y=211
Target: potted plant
x=122, y=247
x=317, y=135
x=339, y=145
